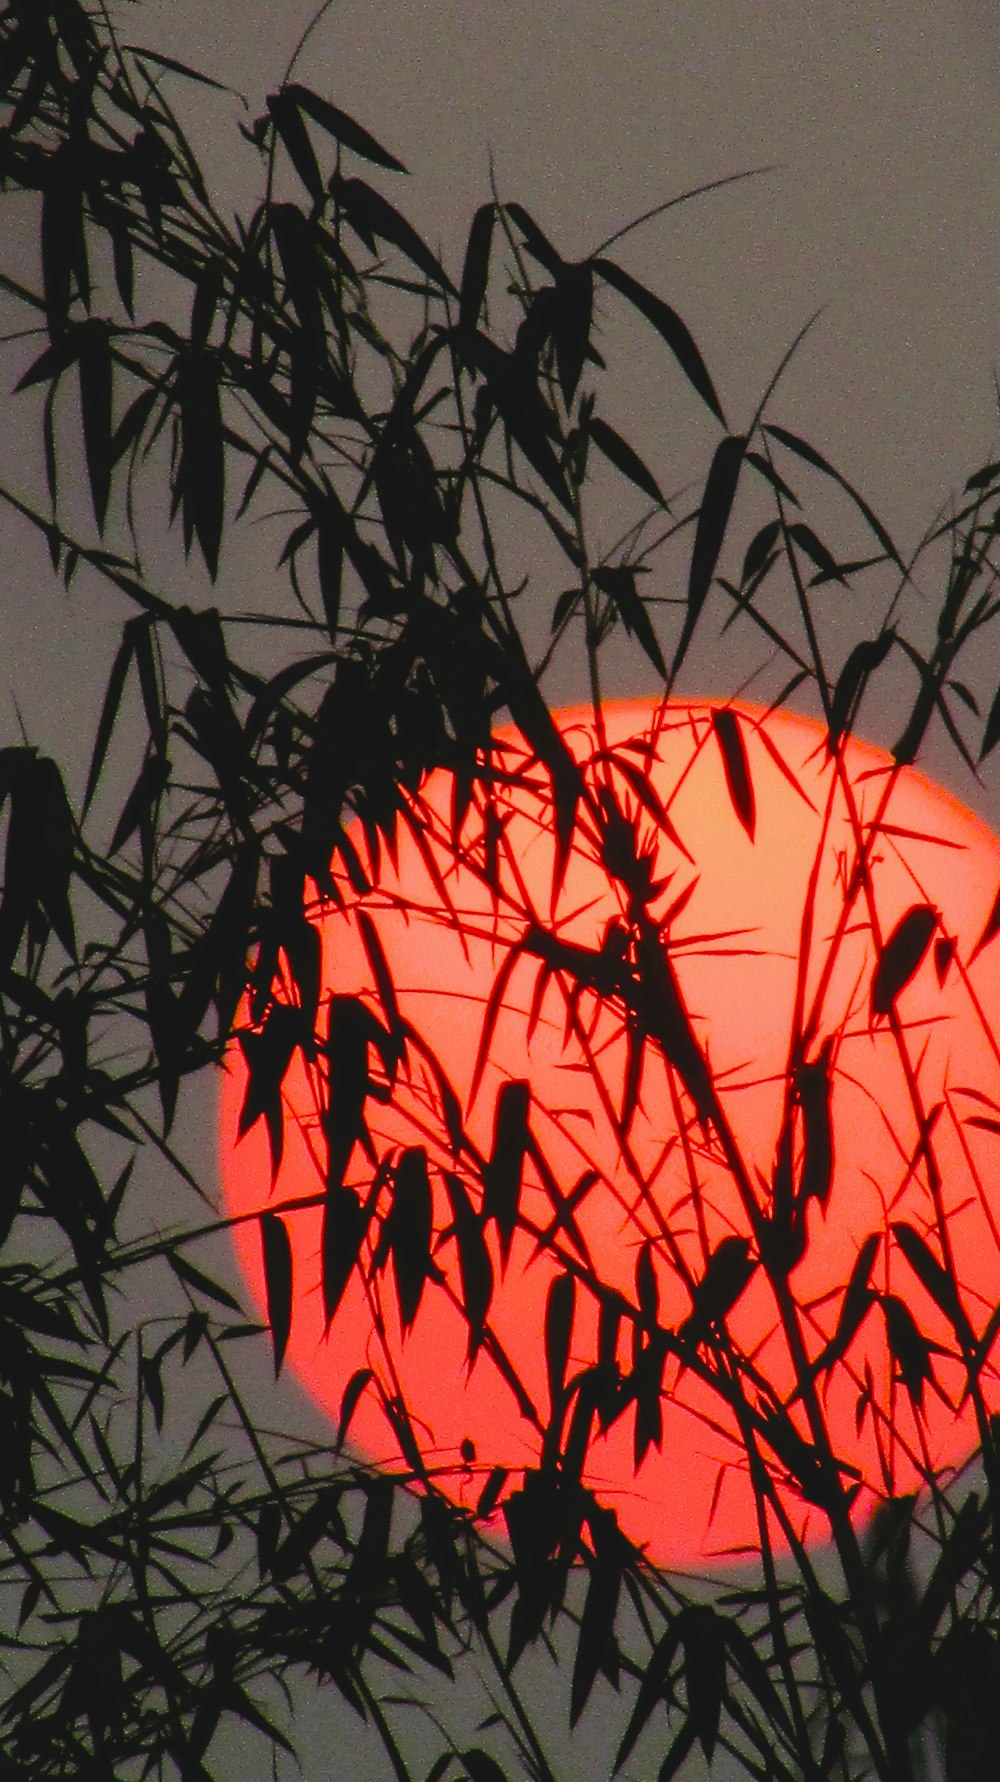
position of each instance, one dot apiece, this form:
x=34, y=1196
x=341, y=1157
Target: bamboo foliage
x=167, y=1564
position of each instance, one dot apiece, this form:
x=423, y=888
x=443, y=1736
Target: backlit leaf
x=991, y=927
x=475, y=1267
x=277, y=1249
x=935, y=1278
x=408, y=1228
x=729, y=735
x=901, y=957
x=559, y=1312
x=502, y=1175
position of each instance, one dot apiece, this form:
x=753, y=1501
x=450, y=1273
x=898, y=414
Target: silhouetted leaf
x=489, y=1497
x=981, y=479
x=668, y=324
x=618, y=451
x=646, y=1286
x=759, y=550
x=568, y=599
x=350, y=1400
x=655, y=1685
x=729, y=736
x=536, y=240
x=372, y=1546
x=141, y=803
x=202, y=472
x=277, y=1250
x=944, y=953
x=729, y=1269
x=991, y=733
x=560, y=1308
x=295, y=137
x=475, y=271
x=862, y=662
x=94, y=360
x=208, y=292
x=345, y=1225
x=911, y=1350
x=524, y=413
x=371, y=214
x=704, y=1672
x=159, y=60
x=63, y=241
x=713, y=518
x=901, y=957
x=475, y=1267
x=55, y=360
x=991, y=927
x=935, y=1278
x=503, y=1173
x=814, y=1090
x=618, y=582
x=597, y=1623
x=408, y=1229
x=330, y=564
x=268, y=1055
x=344, y=129
x=202, y=1283
x=804, y=450
x=482, y=1767
x=814, y=547
x=573, y=315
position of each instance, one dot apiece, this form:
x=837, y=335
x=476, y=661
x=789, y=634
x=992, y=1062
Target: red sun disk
x=745, y=959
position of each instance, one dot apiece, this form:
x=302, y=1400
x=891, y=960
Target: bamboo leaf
x=861, y=663
x=344, y=129
x=408, y=1230
x=502, y=1175
x=736, y=763
x=277, y=1252
x=371, y=214
x=901, y=957
x=618, y=582
x=475, y=1267
x=560, y=1308
x=572, y=318
x=713, y=519
x=350, y=1400
x=669, y=326
x=536, y=240
x=809, y=454
x=991, y=733
x=619, y=453
x=482, y=1767
x=911, y=1350
x=475, y=271
x=991, y=927
x=202, y=1283
x=94, y=361
x=295, y=137
x=935, y=1278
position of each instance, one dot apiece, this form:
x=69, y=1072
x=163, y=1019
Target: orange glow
x=735, y=948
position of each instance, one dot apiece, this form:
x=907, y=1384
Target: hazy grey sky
x=883, y=117
x=882, y=113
